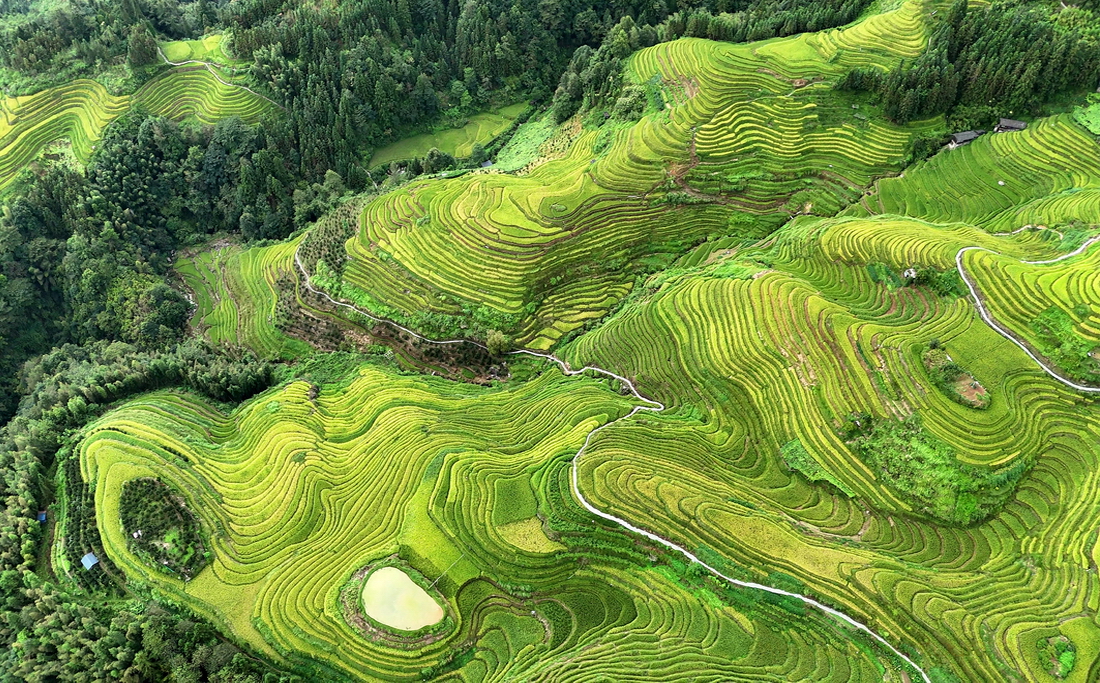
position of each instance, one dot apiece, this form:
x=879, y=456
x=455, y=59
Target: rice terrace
x=533, y=341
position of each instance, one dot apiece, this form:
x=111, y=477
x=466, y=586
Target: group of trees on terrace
x=87, y=36
x=1004, y=60
x=86, y=256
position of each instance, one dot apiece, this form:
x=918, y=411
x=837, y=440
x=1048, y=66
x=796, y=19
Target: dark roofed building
x=1009, y=125
x=965, y=137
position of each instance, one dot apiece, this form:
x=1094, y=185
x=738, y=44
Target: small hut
x=1009, y=126
x=959, y=139
x=89, y=561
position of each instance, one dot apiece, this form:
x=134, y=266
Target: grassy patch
x=926, y=471
x=952, y=379
x=207, y=49
x=524, y=146
x=1057, y=655
x=458, y=142
x=1058, y=341
x=799, y=460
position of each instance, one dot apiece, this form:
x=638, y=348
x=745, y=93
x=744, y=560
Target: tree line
x=1004, y=60
x=355, y=75
x=87, y=37
x=86, y=256
x=63, y=632
x=593, y=78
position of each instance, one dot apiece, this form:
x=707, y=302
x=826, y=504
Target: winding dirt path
x=214, y=72
x=648, y=405
x=988, y=318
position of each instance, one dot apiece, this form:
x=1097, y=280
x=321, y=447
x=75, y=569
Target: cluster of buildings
x=1004, y=126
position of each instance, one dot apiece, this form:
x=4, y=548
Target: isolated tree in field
x=498, y=343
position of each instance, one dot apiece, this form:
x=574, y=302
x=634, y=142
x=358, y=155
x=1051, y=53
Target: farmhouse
x=1008, y=126
x=964, y=137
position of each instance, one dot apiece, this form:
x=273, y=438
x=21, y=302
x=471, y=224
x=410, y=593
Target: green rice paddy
x=753, y=363
x=207, y=49
x=777, y=360
x=298, y=490
x=79, y=111
x=737, y=118
x=480, y=129
x=235, y=293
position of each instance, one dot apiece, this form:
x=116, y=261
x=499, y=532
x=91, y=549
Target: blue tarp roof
x=89, y=561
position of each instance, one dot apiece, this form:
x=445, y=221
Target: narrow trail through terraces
x=648, y=405
x=976, y=295
x=214, y=72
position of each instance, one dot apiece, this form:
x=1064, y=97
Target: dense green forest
x=90, y=312
x=1003, y=59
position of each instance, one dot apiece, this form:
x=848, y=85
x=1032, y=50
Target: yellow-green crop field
x=458, y=142
x=206, y=49
x=235, y=295
x=559, y=246
x=298, y=493
x=753, y=362
x=79, y=111
x=758, y=342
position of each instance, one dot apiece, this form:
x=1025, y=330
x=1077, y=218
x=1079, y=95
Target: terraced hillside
x=458, y=142
x=79, y=111
x=301, y=488
x=836, y=419
x=543, y=252
x=236, y=292
x=761, y=349
x=1051, y=306
x=1047, y=174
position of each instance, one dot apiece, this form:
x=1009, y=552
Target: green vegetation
x=79, y=111
x=210, y=48
x=988, y=60
x=798, y=459
x=806, y=333
x=523, y=147
x=1062, y=323
x=1046, y=175
x=522, y=245
x=237, y=294
x=1077, y=356
x=952, y=379
x=459, y=142
x=414, y=466
x=754, y=364
x=925, y=470
x=162, y=531
x=1089, y=116
x=1057, y=655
